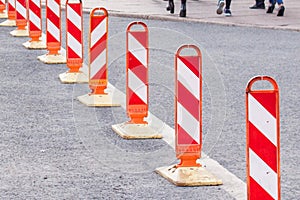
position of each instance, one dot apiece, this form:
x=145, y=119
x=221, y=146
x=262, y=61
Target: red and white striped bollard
x=188, y=122
x=74, y=45
x=35, y=26
x=98, y=69
x=21, y=19
x=53, y=34
x=11, y=12
x=263, y=141
x=3, y=13
x=137, y=58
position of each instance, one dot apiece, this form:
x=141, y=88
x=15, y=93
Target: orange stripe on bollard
x=188, y=122
x=74, y=45
x=137, y=56
x=98, y=71
x=263, y=140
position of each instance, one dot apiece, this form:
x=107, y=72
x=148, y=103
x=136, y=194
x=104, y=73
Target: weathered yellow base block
x=35, y=45
x=135, y=131
x=53, y=59
x=188, y=176
x=73, y=77
x=8, y=23
x=20, y=33
x=3, y=15
x=97, y=100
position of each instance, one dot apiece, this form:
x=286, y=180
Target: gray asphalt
x=53, y=147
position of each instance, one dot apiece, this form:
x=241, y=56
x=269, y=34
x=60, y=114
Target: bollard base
x=3, y=15
x=135, y=131
x=53, y=59
x=8, y=22
x=97, y=100
x=188, y=176
x=35, y=45
x=20, y=33
x=70, y=78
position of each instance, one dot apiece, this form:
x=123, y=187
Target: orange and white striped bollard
x=188, y=123
x=35, y=26
x=53, y=34
x=11, y=21
x=21, y=19
x=74, y=37
x=263, y=140
x=137, y=65
x=98, y=69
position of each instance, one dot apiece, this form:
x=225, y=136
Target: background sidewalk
x=204, y=11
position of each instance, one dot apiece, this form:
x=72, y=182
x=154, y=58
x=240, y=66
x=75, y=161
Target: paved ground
x=52, y=148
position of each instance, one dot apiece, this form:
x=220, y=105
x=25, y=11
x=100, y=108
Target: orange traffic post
x=263, y=140
x=53, y=34
x=11, y=21
x=137, y=58
x=21, y=19
x=3, y=13
x=74, y=38
x=35, y=26
x=98, y=52
x=188, y=122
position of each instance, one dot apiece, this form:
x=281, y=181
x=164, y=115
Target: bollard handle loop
x=105, y=13
x=261, y=78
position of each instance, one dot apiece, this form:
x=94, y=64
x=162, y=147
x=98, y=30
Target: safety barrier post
x=263, y=140
x=35, y=26
x=98, y=52
x=74, y=45
x=11, y=21
x=3, y=13
x=188, y=122
x=137, y=56
x=53, y=34
x=21, y=19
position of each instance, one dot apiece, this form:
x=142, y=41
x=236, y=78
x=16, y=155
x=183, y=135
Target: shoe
x=260, y=6
x=171, y=7
x=220, y=7
x=227, y=12
x=281, y=11
x=271, y=8
x=182, y=13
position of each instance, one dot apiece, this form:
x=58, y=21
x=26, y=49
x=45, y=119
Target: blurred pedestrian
x=171, y=8
x=281, y=8
x=227, y=11
x=259, y=4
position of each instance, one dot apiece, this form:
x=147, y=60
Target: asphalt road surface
x=54, y=147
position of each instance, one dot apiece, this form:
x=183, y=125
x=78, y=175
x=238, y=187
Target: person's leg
x=228, y=2
x=271, y=6
x=227, y=11
x=281, y=8
x=171, y=6
x=183, y=8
